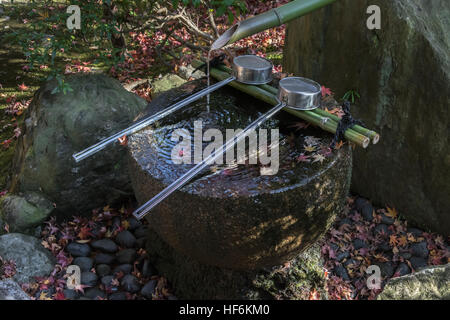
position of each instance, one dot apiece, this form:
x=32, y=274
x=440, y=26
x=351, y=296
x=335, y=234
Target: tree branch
x=213, y=24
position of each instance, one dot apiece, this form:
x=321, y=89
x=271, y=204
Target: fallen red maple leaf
x=80, y=288
x=326, y=92
x=85, y=233
x=23, y=87
x=59, y=296
x=6, y=143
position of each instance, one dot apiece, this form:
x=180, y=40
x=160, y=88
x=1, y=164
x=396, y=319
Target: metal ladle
x=293, y=92
x=249, y=69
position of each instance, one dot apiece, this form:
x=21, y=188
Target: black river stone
x=231, y=216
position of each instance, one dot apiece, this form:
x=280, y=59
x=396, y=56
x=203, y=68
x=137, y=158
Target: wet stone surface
x=231, y=215
x=295, y=279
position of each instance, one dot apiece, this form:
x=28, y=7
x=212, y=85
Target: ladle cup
x=293, y=92
x=249, y=69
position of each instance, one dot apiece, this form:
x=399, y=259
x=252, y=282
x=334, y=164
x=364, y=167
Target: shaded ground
x=361, y=237
x=364, y=236
x=109, y=248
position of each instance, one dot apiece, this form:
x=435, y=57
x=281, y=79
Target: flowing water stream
x=208, y=97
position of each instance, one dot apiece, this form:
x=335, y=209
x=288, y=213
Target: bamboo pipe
x=309, y=116
x=267, y=20
x=372, y=135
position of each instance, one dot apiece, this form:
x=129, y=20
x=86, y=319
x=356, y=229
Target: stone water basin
x=231, y=216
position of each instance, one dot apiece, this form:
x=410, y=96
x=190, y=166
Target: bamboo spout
x=267, y=20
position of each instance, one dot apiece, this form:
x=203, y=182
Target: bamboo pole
x=267, y=20
x=372, y=135
x=309, y=116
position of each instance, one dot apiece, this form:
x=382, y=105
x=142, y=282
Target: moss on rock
x=22, y=213
x=430, y=283
x=166, y=83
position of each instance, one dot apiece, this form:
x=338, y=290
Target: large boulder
x=58, y=125
x=431, y=283
x=402, y=73
x=31, y=258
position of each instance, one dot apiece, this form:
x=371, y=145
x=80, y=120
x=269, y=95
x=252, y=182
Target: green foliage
x=221, y=7
x=351, y=96
x=48, y=37
x=63, y=86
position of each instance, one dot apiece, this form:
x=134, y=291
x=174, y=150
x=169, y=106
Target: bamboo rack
x=372, y=135
x=266, y=94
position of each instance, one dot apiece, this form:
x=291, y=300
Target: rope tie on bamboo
x=346, y=122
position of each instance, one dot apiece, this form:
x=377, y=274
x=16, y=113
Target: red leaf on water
x=303, y=158
x=123, y=140
x=299, y=125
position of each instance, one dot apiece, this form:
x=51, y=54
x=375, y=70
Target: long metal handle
x=147, y=121
x=180, y=182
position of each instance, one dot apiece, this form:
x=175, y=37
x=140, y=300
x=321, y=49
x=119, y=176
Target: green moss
x=23, y=215
x=5, y=161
